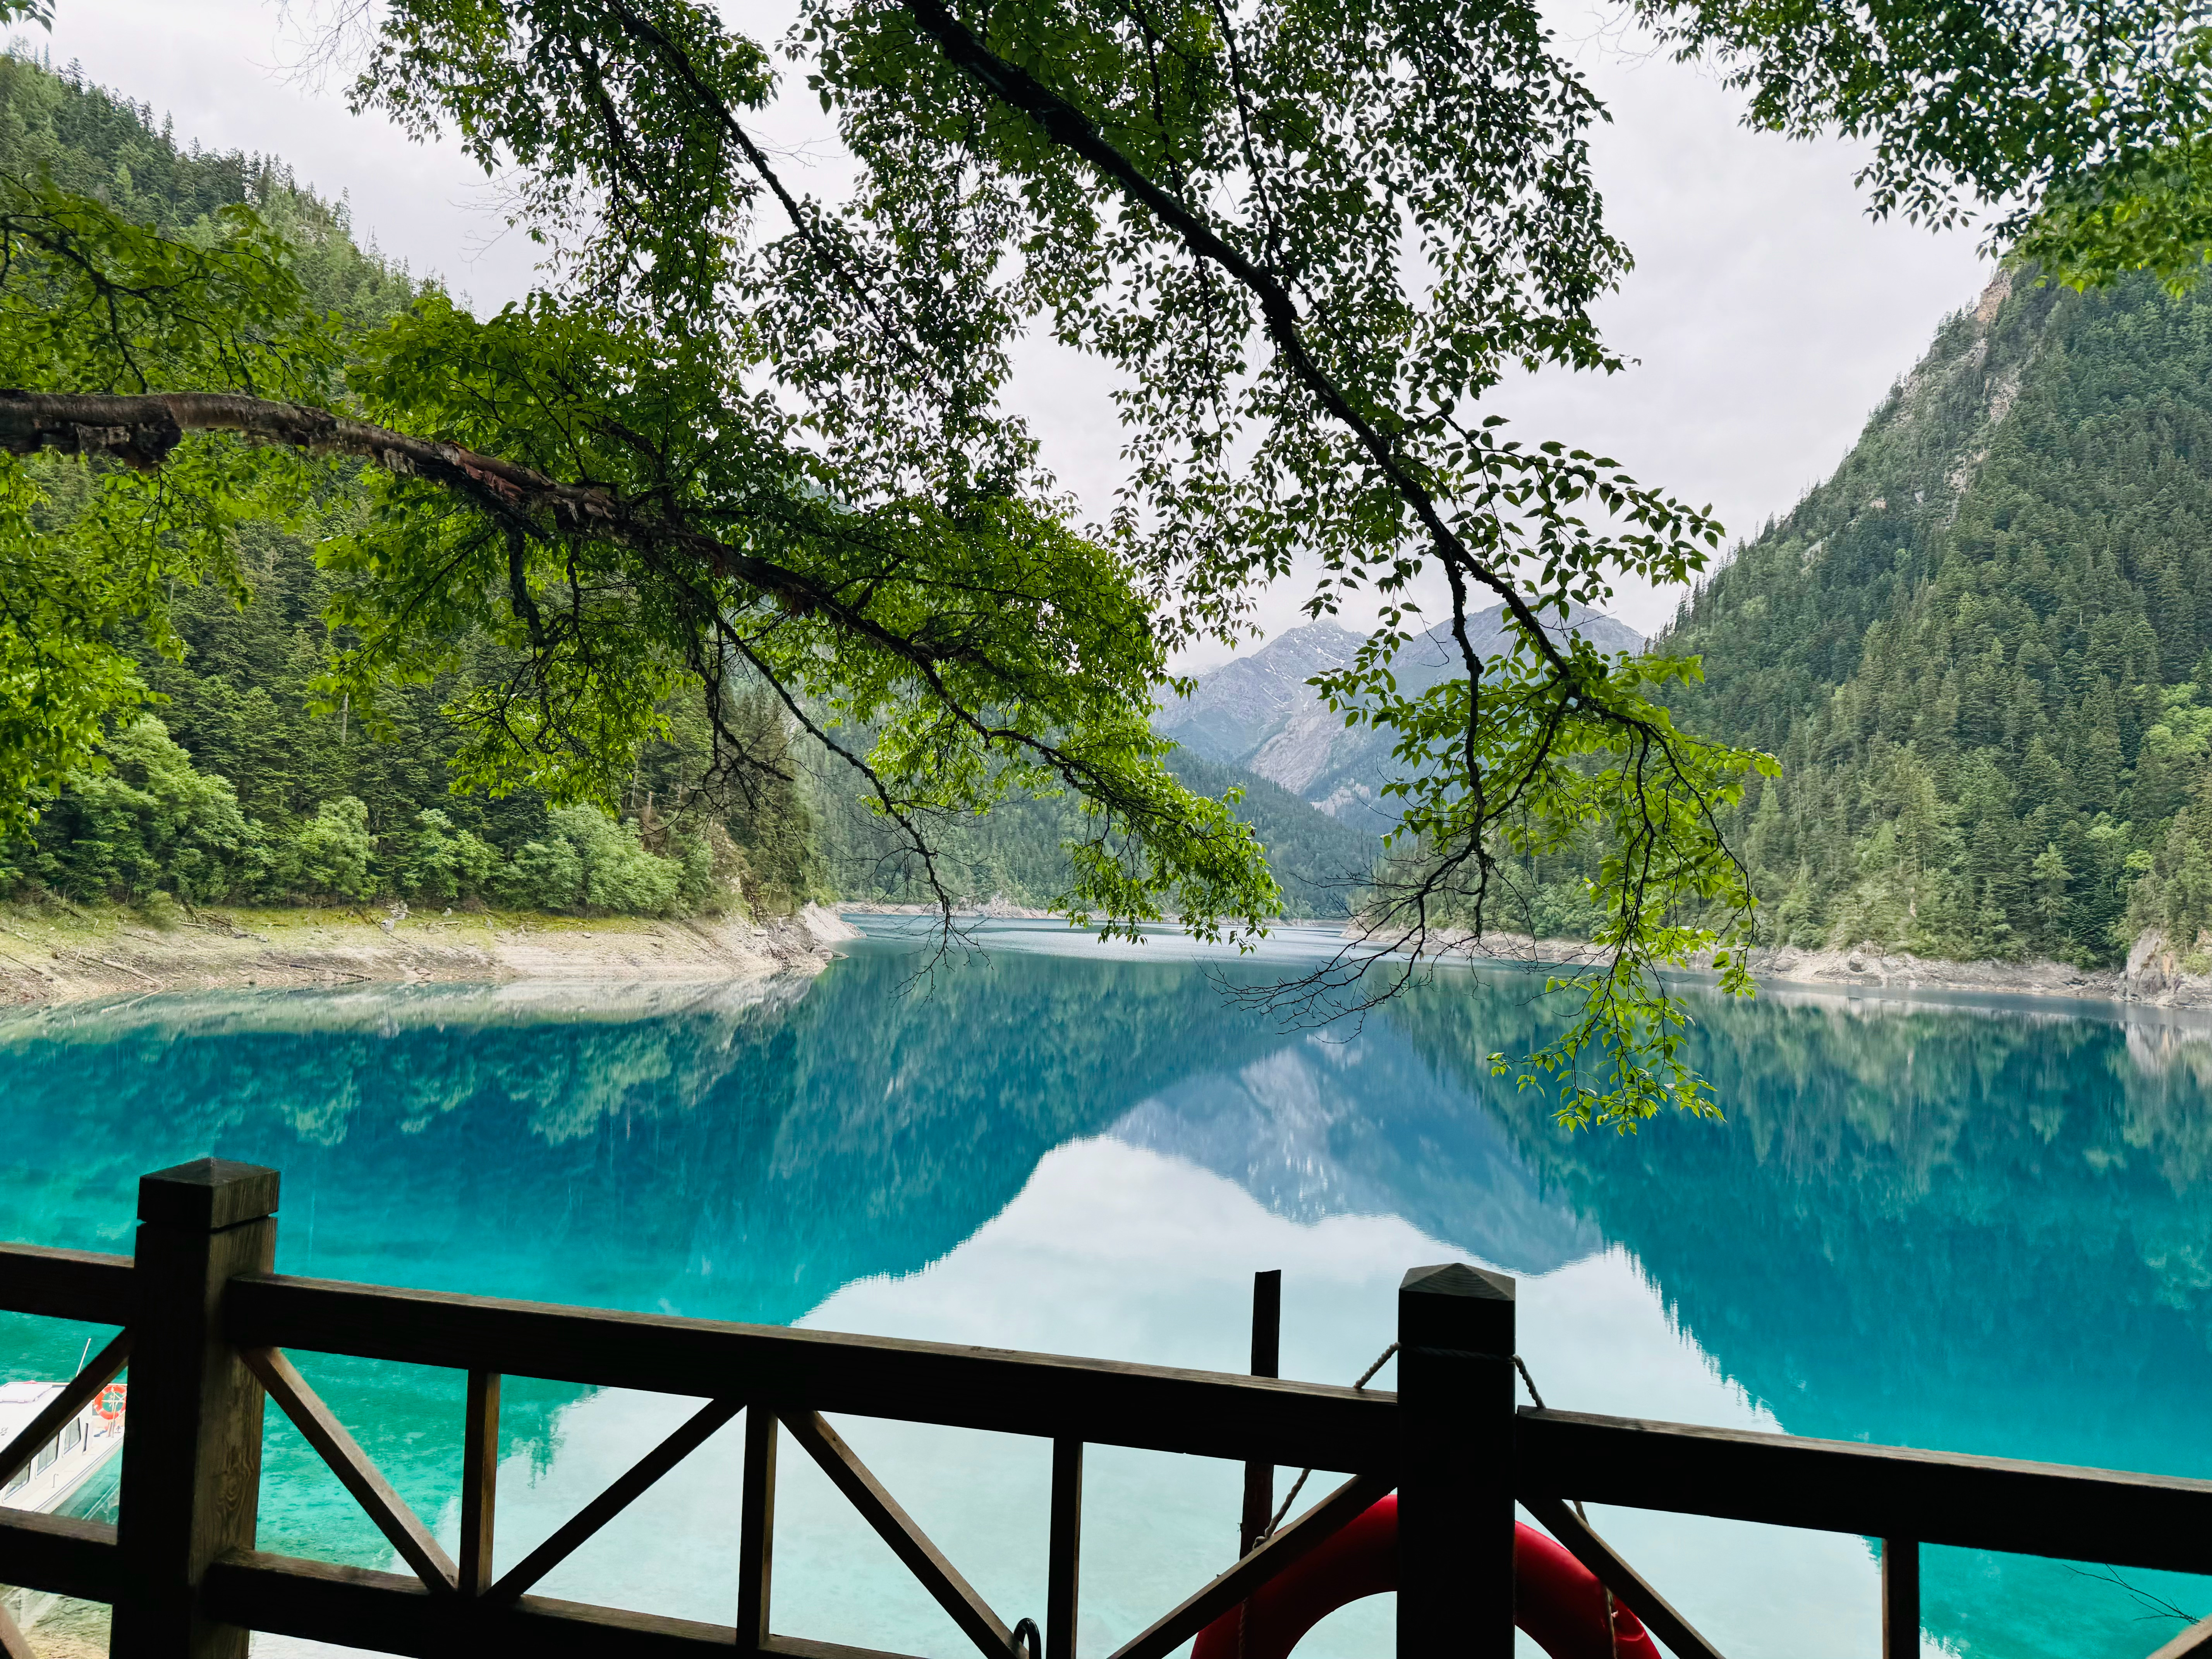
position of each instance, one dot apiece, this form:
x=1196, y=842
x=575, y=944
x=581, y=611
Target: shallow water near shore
x=1986, y=1230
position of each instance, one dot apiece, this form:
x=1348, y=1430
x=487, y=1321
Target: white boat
x=62, y=1474
x=72, y=1457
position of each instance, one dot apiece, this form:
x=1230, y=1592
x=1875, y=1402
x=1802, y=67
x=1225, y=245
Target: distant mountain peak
x=1257, y=711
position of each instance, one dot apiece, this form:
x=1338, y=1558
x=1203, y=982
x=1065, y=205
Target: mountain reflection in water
x=1928, y=1225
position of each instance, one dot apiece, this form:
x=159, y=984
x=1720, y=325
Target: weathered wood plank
x=1267, y=1361
x=399, y=1524
x=192, y=1459
x=479, y=1482
x=66, y=1284
x=1064, y=1551
x=2195, y=1643
x=1628, y=1586
x=391, y=1613
x=56, y=1553
x=1297, y=1539
x=756, y=1527
x=1877, y=1492
x=1456, y=1488
x=896, y=1527
x=626, y=1490
x=14, y=1644
x=1243, y=1419
x=82, y=1390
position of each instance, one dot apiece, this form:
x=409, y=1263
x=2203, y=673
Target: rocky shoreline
x=997, y=908
x=61, y=954
x=57, y=954
x=2154, y=975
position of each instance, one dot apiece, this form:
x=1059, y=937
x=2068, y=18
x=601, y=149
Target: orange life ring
x=1556, y=1598
x=112, y=1401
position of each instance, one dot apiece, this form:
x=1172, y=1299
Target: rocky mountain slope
x=1258, y=711
x=1982, y=648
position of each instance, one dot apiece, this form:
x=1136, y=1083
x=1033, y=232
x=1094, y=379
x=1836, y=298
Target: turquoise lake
x=1978, y=1228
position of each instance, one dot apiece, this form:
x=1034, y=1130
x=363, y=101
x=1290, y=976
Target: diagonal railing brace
x=360, y=1477
x=696, y=1431
x=1617, y=1576
x=896, y=1526
x=79, y=1392
x=1288, y=1546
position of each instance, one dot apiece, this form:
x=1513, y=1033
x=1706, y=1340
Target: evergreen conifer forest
x=1983, y=648
x=236, y=783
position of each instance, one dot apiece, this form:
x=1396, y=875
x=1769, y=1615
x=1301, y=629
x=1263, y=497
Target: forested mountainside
x=229, y=787
x=1982, y=649
x=1258, y=711
x=1015, y=852
x=232, y=788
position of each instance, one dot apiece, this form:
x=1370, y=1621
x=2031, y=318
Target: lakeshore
x=55, y=953
x=2154, y=975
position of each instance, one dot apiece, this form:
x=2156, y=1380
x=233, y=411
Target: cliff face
x=1235, y=708
x=1259, y=713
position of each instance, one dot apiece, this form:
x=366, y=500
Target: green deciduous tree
x=439, y=861
x=146, y=821
x=330, y=856
x=744, y=433
x=2088, y=127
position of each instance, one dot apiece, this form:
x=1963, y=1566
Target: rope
x=1298, y=1484
x=1521, y=1366
x=1381, y=1359
x=1292, y=1497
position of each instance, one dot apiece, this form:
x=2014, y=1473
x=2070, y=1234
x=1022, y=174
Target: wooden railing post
x=192, y=1459
x=756, y=1528
x=1900, y=1599
x=1064, y=1550
x=1267, y=1361
x=1455, y=1464
x=479, y=1483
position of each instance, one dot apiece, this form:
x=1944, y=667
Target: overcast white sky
x=1767, y=314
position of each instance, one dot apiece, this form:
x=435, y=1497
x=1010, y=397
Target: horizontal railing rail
x=1153, y=1408
x=391, y=1612
x=66, y=1285
x=206, y=1325
x=59, y=1554
x=1877, y=1492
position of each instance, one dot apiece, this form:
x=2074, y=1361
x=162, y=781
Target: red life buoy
x=111, y=1401
x=1556, y=1598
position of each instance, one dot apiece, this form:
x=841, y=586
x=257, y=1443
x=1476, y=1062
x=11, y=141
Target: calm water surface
x=1987, y=1231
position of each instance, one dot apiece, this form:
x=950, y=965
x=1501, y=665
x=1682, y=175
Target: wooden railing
x=206, y=1325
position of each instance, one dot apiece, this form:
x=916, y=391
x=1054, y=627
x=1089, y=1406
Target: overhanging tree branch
x=1068, y=127
x=142, y=430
